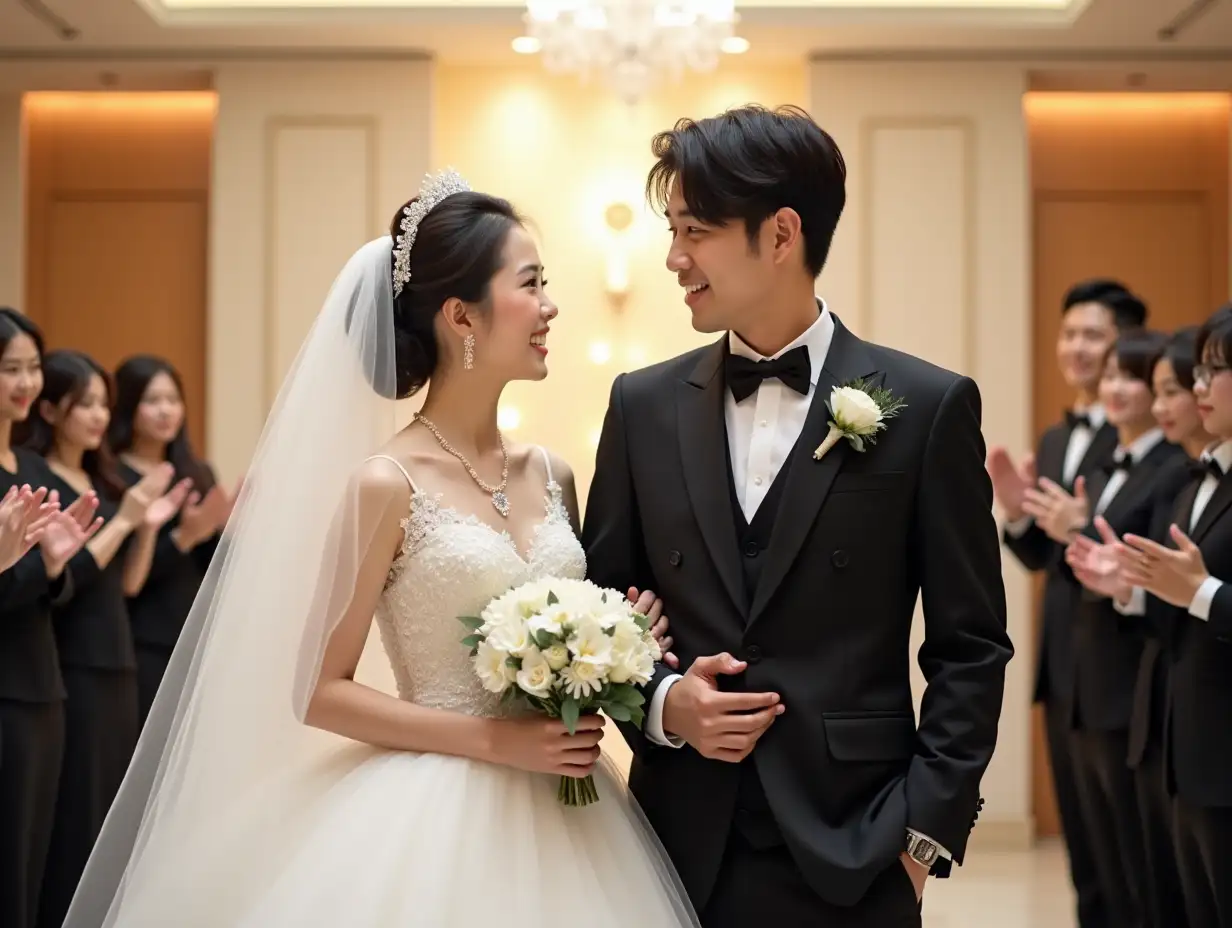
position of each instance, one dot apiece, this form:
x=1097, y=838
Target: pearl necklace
x=499, y=499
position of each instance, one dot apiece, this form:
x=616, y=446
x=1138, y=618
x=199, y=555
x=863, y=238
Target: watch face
x=925, y=853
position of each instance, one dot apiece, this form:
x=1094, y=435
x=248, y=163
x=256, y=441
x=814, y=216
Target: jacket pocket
x=871, y=738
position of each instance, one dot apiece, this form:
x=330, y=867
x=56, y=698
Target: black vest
x=753, y=817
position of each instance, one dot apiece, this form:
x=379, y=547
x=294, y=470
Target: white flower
x=552, y=620
x=591, y=644
x=511, y=636
x=535, y=677
x=854, y=411
x=492, y=668
x=557, y=656
x=581, y=678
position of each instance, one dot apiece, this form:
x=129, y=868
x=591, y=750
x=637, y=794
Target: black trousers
x=1204, y=843
x=1110, y=809
x=32, y=735
x=152, y=663
x=1083, y=873
x=761, y=885
x=100, y=733
x=1164, y=896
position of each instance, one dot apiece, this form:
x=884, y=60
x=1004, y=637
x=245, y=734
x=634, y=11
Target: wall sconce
x=619, y=219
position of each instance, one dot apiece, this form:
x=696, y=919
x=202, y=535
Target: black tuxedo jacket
x=1200, y=703
x=858, y=538
x=1054, y=671
x=1108, y=645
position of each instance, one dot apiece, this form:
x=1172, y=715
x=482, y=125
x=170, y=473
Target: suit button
x=751, y=549
x=752, y=654
x=674, y=558
x=839, y=559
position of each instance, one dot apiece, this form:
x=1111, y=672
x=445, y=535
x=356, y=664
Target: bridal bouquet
x=566, y=648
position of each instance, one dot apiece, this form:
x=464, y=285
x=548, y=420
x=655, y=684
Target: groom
x=784, y=772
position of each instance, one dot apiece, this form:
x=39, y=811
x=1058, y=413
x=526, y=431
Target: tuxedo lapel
x=1217, y=506
x=1136, y=483
x=704, y=454
x=809, y=480
x=1098, y=452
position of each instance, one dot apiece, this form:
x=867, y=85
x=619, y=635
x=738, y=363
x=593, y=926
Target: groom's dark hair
x=748, y=163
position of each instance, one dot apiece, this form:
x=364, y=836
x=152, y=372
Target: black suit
x=1162, y=882
x=1107, y=652
x=1054, y=676
x=845, y=771
x=1199, y=722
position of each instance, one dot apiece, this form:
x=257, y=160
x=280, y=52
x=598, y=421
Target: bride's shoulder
x=537, y=457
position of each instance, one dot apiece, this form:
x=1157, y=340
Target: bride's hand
x=651, y=606
x=545, y=745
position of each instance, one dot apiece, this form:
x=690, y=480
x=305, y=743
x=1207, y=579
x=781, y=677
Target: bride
x=270, y=788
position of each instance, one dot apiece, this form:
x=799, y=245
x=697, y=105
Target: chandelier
x=630, y=43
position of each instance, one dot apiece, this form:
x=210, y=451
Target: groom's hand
x=718, y=725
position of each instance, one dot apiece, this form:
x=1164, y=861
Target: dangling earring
x=468, y=352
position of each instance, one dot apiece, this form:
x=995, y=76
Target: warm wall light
x=1043, y=103
x=508, y=418
x=191, y=101
x=734, y=45
x=527, y=45
x=600, y=352
x=619, y=218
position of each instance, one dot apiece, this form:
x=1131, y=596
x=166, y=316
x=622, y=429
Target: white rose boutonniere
x=858, y=412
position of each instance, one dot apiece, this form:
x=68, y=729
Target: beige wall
x=12, y=247
x=310, y=161
x=932, y=257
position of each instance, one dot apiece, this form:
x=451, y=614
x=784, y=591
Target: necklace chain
x=499, y=499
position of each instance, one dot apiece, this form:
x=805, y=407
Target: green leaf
x=637, y=717
x=544, y=640
x=627, y=694
x=552, y=598
x=618, y=712
x=643, y=621
x=569, y=714
x=473, y=622
x=472, y=641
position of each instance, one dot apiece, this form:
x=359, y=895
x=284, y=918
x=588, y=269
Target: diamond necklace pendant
x=501, y=502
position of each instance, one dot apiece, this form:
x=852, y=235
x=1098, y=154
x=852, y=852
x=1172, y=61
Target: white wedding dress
x=429, y=840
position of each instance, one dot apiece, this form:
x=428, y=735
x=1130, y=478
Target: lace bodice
x=452, y=565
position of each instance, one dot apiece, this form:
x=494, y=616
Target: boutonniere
x=858, y=412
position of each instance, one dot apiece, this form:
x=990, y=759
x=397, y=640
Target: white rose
x=535, y=677
x=854, y=410
x=492, y=668
x=557, y=656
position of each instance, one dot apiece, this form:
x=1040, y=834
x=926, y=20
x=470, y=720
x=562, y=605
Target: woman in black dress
x=31, y=689
x=68, y=427
x=148, y=429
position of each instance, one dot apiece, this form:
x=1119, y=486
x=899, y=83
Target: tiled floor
x=1004, y=889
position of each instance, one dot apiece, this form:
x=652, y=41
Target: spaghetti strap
x=547, y=463
x=386, y=457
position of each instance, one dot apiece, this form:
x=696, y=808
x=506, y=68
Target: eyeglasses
x=1206, y=372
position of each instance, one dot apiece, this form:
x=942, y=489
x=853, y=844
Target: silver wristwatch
x=921, y=850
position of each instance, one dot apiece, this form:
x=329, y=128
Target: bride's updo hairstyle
x=457, y=251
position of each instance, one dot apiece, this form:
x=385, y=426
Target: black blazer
x=1054, y=671
x=1200, y=704
x=1107, y=644
x=859, y=537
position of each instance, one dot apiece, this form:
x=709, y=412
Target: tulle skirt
x=427, y=840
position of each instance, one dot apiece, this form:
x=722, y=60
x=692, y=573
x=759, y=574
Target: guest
x=1093, y=312
x=68, y=427
x=31, y=688
x=147, y=429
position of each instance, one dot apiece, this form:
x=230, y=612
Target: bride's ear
x=459, y=316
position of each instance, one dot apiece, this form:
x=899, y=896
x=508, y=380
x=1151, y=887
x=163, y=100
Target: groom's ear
x=788, y=239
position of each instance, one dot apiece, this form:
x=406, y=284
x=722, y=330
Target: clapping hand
x=68, y=533
x=651, y=606
x=1060, y=514
x=1010, y=483
x=1172, y=574
x=24, y=516
x=1097, y=564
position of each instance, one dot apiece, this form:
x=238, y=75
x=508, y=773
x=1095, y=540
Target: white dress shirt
x=762, y=429
x=1080, y=438
x=1137, y=450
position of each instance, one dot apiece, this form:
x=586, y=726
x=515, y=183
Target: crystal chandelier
x=630, y=42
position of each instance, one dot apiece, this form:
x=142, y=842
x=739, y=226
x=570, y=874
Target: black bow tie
x=1125, y=464
x=1077, y=419
x=744, y=375
x=1203, y=467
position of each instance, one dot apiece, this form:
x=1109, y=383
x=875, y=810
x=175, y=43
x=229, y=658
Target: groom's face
x=723, y=276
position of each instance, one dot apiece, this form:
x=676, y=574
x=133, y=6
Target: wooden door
x=1133, y=187
x=117, y=221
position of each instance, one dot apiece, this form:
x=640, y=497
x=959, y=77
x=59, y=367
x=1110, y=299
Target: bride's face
x=514, y=343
